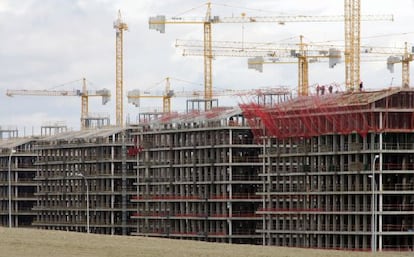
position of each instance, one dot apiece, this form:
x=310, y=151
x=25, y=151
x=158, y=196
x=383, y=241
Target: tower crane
x=119, y=27
x=84, y=94
x=279, y=53
x=158, y=23
x=134, y=96
x=367, y=54
x=405, y=60
x=288, y=53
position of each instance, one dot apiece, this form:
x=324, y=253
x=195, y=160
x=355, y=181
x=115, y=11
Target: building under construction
x=198, y=175
x=17, y=172
x=298, y=173
x=85, y=177
x=338, y=170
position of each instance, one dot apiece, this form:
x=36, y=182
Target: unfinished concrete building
x=198, y=178
x=17, y=156
x=320, y=153
x=307, y=182
x=86, y=172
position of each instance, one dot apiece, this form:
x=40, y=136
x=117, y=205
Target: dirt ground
x=17, y=242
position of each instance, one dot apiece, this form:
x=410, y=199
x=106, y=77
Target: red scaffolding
x=336, y=113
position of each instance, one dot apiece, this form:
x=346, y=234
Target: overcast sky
x=47, y=43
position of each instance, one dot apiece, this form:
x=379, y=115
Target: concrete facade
x=19, y=155
x=198, y=178
x=66, y=162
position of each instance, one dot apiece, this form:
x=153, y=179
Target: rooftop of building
x=12, y=143
x=215, y=114
x=338, y=99
x=87, y=135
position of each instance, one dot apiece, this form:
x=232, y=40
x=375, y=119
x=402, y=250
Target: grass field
x=30, y=242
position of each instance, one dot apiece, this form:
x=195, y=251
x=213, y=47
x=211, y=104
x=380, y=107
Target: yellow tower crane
x=301, y=53
x=158, y=23
x=134, y=96
x=84, y=94
x=119, y=27
x=368, y=54
x=405, y=60
x=285, y=53
x=304, y=53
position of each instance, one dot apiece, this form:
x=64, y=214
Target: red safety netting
x=254, y=122
x=339, y=113
x=260, y=99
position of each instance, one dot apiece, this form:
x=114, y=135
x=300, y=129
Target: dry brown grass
x=42, y=243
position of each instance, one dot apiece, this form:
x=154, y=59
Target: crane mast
x=119, y=26
x=208, y=59
x=407, y=58
x=166, y=100
x=303, y=85
x=84, y=104
x=352, y=14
